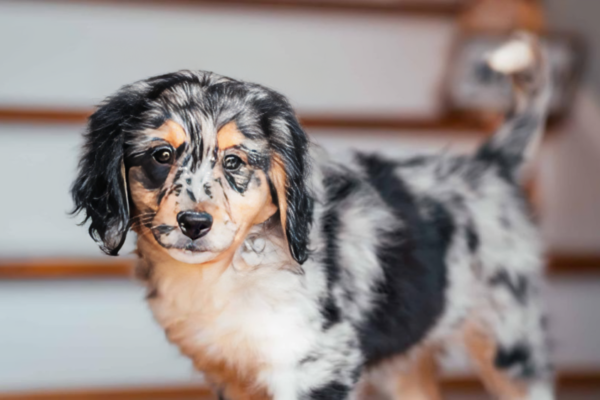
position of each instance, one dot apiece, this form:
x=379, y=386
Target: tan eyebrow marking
x=229, y=136
x=172, y=132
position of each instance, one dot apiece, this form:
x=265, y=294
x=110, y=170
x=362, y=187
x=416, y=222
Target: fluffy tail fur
x=524, y=61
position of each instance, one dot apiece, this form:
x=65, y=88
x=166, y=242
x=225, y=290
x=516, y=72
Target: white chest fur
x=252, y=316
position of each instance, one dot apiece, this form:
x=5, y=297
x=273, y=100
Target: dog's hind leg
x=509, y=371
x=420, y=380
x=410, y=377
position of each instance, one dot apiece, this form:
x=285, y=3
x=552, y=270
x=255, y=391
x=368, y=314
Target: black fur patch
x=178, y=175
x=239, y=180
x=411, y=292
x=161, y=195
x=190, y=193
x=472, y=239
x=517, y=285
x=180, y=150
x=148, y=172
x=516, y=357
x=331, y=391
x=207, y=190
x=339, y=187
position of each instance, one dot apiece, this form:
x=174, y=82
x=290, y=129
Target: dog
x=285, y=274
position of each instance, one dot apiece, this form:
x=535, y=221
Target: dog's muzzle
x=194, y=224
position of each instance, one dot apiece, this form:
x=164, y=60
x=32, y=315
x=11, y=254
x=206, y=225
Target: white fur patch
x=515, y=56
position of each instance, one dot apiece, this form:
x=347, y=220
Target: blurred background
x=392, y=76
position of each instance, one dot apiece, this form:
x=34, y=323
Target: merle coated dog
x=285, y=274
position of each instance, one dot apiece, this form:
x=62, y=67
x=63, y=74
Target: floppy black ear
x=100, y=189
x=289, y=173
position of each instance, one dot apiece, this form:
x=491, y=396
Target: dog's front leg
x=315, y=384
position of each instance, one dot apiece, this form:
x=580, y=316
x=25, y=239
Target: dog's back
x=468, y=260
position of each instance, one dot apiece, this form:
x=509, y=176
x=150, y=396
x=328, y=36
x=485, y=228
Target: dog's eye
x=231, y=162
x=162, y=156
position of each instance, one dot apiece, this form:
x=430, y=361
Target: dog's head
x=194, y=160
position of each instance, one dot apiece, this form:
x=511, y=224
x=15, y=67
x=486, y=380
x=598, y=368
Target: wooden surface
x=65, y=268
x=582, y=380
x=140, y=393
x=119, y=267
x=450, y=122
x=413, y=8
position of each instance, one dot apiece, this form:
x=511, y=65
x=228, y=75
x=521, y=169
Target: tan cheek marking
x=229, y=136
x=172, y=132
x=142, y=198
x=278, y=177
x=267, y=208
x=144, y=202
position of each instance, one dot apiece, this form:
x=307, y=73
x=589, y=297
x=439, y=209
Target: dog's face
x=198, y=210
x=193, y=160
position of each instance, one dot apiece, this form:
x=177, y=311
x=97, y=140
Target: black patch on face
x=518, y=285
x=256, y=159
x=215, y=155
x=186, y=160
x=411, y=292
x=191, y=195
x=151, y=174
x=161, y=195
x=472, y=239
x=180, y=150
x=331, y=391
x=240, y=179
x=178, y=175
x=516, y=357
x=207, y=190
x=188, y=181
x=339, y=187
x=177, y=189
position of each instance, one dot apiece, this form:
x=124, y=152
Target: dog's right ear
x=100, y=189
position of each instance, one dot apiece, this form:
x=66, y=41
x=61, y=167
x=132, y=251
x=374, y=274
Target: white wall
x=57, y=334
x=76, y=55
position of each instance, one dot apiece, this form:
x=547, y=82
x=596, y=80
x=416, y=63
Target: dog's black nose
x=194, y=224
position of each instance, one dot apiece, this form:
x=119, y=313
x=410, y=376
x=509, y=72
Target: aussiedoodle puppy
x=284, y=274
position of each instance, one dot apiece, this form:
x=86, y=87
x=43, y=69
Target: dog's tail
x=524, y=60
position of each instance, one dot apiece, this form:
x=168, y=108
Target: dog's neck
x=210, y=310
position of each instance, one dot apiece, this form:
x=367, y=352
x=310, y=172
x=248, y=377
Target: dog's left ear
x=288, y=174
x=100, y=189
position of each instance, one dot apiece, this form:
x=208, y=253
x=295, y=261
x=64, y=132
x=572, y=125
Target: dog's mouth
x=171, y=238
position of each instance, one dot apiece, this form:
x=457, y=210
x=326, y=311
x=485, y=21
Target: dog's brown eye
x=162, y=156
x=231, y=163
